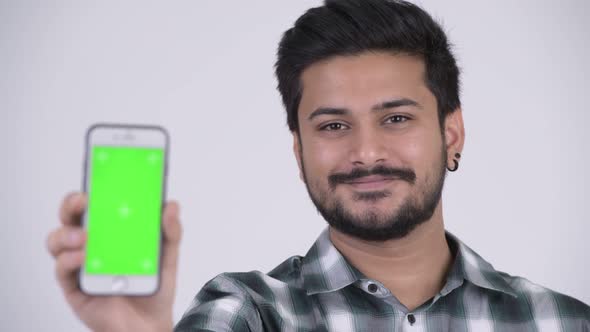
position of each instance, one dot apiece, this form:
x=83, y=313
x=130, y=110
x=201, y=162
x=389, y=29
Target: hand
x=113, y=313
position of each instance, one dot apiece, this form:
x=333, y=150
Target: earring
x=455, y=162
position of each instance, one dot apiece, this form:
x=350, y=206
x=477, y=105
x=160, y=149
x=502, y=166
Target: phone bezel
x=131, y=135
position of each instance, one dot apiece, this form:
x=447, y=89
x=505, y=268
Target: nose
x=368, y=148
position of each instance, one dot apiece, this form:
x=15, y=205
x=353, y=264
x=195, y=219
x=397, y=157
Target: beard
x=371, y=225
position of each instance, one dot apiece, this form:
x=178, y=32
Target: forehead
x=359, y=80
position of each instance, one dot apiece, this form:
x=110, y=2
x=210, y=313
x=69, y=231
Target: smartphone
x=125, y=181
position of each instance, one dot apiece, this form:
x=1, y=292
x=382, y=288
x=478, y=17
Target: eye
x=397, y=119
x=334, y=126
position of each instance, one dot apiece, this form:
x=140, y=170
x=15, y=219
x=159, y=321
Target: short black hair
x=351, y=27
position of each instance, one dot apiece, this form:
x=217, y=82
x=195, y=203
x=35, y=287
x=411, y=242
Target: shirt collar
x=324, y=269
x=472, y=267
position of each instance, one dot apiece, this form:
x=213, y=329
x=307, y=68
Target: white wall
x=204, y=70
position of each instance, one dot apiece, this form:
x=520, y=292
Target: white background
x=204, y=70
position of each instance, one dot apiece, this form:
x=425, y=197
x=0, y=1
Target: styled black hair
x=351, y=27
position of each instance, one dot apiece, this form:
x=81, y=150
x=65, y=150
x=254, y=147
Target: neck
x=413, y=268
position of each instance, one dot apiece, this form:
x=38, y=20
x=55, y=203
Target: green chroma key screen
x=124, y=210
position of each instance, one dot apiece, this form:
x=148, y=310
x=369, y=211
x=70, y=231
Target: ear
x=297, y=153
x=454, y=133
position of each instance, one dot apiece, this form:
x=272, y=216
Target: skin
x=364, y=135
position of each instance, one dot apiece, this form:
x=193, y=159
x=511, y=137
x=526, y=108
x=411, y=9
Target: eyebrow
x=396, y=103
x=379, y=107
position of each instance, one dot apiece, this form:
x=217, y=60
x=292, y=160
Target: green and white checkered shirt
x=322, y=292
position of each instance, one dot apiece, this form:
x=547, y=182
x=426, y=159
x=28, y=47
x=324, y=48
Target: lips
x=371, y=182
x=370, y=179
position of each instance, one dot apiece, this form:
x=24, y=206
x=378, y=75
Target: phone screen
x=124, y=210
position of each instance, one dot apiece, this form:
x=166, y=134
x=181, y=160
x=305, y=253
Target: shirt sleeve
x=223, y=304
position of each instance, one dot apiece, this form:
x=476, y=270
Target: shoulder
x=286, y=274
x=232, y=301
x=546, y=303
x=260, y=286
x=516, y=298
x=257, y=286
x=221, y=305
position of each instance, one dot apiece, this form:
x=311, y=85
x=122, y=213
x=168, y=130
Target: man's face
x=370, y=146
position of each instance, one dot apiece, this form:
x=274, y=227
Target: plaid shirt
x=322, y=292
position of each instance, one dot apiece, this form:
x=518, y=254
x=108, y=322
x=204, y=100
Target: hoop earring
x=455, y=163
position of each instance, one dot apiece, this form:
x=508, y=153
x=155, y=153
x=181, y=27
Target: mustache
x=405, y=174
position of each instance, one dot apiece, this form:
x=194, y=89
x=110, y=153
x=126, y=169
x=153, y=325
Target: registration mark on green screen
x=124, y=210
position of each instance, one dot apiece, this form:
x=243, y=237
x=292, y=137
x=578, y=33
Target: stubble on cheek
x=324, y=194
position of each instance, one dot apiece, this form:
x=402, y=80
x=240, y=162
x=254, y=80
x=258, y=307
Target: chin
x=378, y=215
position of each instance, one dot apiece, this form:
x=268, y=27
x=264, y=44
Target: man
x=371, y=90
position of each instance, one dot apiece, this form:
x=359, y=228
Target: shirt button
x=373, y=288
x=411, y=319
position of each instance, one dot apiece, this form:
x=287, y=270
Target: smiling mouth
x=371, y=182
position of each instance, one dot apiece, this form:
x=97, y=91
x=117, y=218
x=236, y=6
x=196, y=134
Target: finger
x=172, y=234
x=65, y=238
x=66, y=267
x=72, y=208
